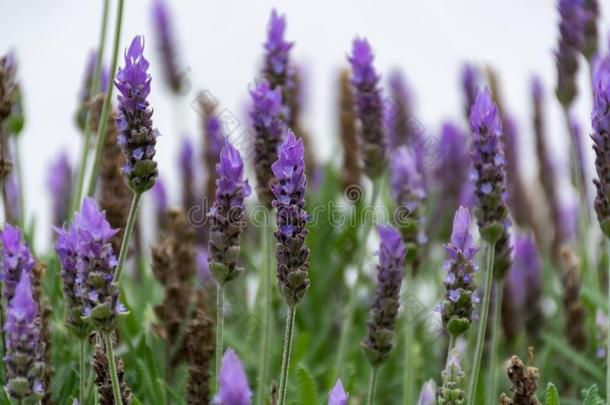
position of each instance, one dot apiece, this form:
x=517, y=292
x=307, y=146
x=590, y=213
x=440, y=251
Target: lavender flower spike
x=470, y=79
x=60, y=187
x=378, y=344
x=337, y=395
x=571, y=40
x=457, y=308
x=600, y=119
x=226, y=215
x=16, y=258
x=137, y=137
x=409, y=194
x=289, y=192
x=233, y=382
x=427, y=395
x=269, y=130
x=452, y=391
x=369, y=108
x=95, y=264
x=277, y=55
x=167, y=46
x=590, y=45
x=488, y=161
x=24, y=348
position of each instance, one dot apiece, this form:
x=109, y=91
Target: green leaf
x=591, y=396
x=579, y=359
x=307, y=387
x=551, y=396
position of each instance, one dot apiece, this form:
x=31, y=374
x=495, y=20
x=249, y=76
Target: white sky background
x=220, y=45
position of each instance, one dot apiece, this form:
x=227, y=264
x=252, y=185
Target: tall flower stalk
x=491, y=210
x=226, y=224
x=384, y=312
x=600, y=120
x=137, y=137
x=291, y=252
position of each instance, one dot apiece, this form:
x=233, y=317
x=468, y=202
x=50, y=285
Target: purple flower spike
x=571, y=41
x=160, y=194
x=187, y=173
x=337, y=395
x=427, y=395
x=600, y=120
x=16, y=258
x=227, y=215
x=24, y=348
x=137, y=137
x=369, y=108
x=291, y=219
x=85, y=96
x=59, y=183
x=591, y=9
x=457, y=309
x=409, y=194
x=167, y=45
x=470, y=79
x=378, y=343
x=277, y=51
x=269, y=131
x=88, y=265
x=488, y=161
x=233, y=382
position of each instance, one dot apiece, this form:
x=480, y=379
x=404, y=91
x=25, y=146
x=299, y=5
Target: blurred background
x=220, y=51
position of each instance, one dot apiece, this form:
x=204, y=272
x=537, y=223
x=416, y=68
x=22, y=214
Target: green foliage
x=590, y=396
x=551, y=397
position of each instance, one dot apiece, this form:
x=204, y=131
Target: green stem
x=478, y=353
x=372, y=386
x=409, y=369
x=450, y=346
x=286, y=354
x=265, y=276
x=495, y=333
x=116, y=388
x=101, y=131
x=81, y=377
x=220, y=302
x=93, y=90
x=353, y=297
x=131, y=219
x=608, y=336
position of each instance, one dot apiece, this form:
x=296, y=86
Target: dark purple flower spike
x=571, y=41
x=24, y=349
x=600, y=120
x=378, y=344
x=137, y=138
x=369, y=108
x=167, y=45
x=227, y=215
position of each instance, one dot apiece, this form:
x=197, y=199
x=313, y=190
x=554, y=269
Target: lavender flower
x=59, y=183
x=337, y=395
x=269, y=130
x=369, y=108
x=378, y=344
x=277, y=69
x=13, y=197
x=600, y=120
x=527, y=270
x=85, y=97
x=400, y=131
x=452, y=390
x=571, y=40
x=160, y=198
x=233, y=382
x=137, y=137
x=167, y=46
x=8, y=84
x=427, y=395
x=591, y=10
x=488, y=161
x=409, y=194
x=470, y=79
x=226, y=215
x=213, y=141
x=16, y=258
x=291, y=219
x=24, y=348
x=517, y=197
x=88, y=265
x=187, y=174
x=458, y=307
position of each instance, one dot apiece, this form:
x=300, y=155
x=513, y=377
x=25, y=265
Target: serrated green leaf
x=591, y=396
x=307, y=387
x=551, y=396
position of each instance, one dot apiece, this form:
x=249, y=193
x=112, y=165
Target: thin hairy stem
x=114, y=378
x=220, y=320
x=131, y=220
x=495, y=334
x=81, y=369
x=478, y=352
x=372, y=386
x=265, y=277
x=286, y=354
x=101, y=131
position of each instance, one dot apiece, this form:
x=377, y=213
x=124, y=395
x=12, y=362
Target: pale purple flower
x=337, y=395
x=59, y=183
x=427, y=395
x=16, y=258
x=232, y=381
